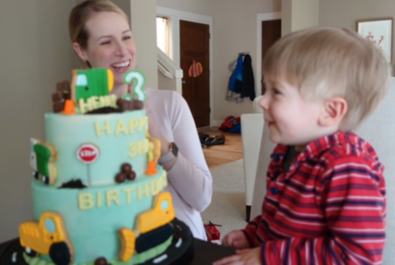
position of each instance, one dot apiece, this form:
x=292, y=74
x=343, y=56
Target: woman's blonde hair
x=329, y=62
x=81, y=13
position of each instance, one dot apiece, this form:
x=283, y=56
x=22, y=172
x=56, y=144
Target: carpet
x=227, y=206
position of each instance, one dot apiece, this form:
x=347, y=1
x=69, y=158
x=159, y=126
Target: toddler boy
x=325, y=201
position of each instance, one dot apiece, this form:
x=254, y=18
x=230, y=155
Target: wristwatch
x=173, y=152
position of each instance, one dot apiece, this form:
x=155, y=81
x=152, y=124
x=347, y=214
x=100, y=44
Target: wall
x=344, y=14
x=235, y=30
x=299, y=15
x=35, y=53
x=142, y=14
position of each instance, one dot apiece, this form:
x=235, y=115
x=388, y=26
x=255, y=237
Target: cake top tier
x=90, y=93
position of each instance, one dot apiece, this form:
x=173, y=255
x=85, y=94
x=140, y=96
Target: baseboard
x=217, y=122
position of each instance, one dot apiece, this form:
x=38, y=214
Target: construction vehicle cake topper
x=89, y=92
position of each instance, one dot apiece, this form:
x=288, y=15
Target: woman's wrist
x=169, y=164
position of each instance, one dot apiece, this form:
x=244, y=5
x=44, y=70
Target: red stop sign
x=88, y=153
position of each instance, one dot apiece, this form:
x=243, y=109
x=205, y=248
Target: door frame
x=262, y=17
x=174, y=20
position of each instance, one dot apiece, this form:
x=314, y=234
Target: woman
x=101, y=37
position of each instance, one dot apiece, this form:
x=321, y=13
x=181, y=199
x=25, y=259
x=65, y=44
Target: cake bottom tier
x=178, y=252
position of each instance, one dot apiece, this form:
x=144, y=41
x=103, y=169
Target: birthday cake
x=98, y=191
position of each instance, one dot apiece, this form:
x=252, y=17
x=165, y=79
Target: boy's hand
x=243, y=257
x=236, y=239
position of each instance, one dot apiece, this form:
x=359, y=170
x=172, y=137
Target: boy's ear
x=333, y=111
x=80, y=52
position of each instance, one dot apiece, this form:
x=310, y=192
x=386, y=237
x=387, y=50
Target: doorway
x=271, y=32
x=267, y=34
x=195, y=46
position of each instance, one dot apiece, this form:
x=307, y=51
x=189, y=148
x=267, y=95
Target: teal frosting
x=94, y=215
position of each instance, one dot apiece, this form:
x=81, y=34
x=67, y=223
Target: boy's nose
x=264, y=101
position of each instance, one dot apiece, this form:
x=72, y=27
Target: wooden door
x=271, y=32
x=194, y=45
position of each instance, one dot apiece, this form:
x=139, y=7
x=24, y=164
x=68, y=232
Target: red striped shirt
x=329, y=208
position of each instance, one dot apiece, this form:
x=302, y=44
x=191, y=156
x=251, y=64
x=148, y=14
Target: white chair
x=379, y=130
x=251, y=128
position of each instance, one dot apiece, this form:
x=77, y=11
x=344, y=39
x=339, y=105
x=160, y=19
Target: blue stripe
x=288, y=241
x=353, y=235
x=263, y=253
x=354, y=203
x=333, y=253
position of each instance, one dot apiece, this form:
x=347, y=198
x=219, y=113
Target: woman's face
x=110, y=44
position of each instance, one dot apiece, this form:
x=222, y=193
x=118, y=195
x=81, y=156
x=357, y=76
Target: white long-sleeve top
x=189, y=180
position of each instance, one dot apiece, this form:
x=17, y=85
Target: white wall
x=299, y=15
x=142, y=14
x=344, y=14
x=35, y=53
x=235, y=30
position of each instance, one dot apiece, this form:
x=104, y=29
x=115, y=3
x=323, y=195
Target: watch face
x=174, y=149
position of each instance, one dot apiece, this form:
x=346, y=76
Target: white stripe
x=160, y=258
x=300, y=194
x=376, y=198
x=373, y=208
x=302, y=184
x=315, y=252
x=307, y=249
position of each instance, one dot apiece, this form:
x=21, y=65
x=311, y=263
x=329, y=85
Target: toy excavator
x=151, y=229
x=48, y=236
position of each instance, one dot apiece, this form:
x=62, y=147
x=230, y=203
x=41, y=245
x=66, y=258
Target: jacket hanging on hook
x=241, y=82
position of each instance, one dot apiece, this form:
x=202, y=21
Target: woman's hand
x=154, y=129
x=236, y=239
x=155, y=132
x=243, y=257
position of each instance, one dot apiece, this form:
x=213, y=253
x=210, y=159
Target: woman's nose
x=121, y=50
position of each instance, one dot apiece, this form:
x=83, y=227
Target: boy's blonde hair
x=328, y=62
x=81, y=13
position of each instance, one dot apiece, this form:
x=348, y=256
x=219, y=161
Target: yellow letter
x=85, y=201
x=155, y=186
x=99, y=199
x=113, y=100
x=143, y=147
x=143, y=191
x=133, y=123
x=105, y=128
x=143, y=123
x=120, y=128
x=163, y=179
x=112, y=195
x=128, y=192
x=132, y=150
x=84, y=107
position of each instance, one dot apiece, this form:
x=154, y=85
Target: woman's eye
x=105, y=42
x=127, y=37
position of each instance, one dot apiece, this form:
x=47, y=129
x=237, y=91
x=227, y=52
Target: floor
x=217, y=155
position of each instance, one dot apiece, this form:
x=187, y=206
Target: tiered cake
x=98, y=192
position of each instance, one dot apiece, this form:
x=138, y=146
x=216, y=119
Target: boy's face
x=292, y=120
